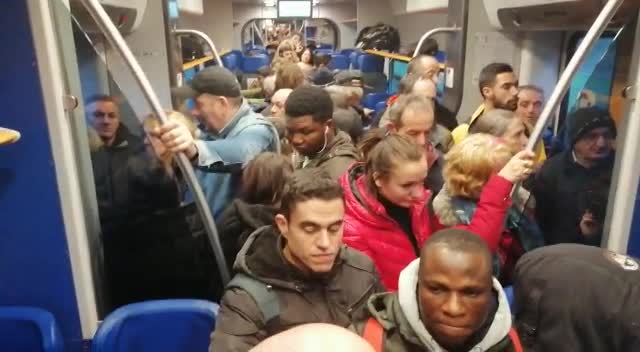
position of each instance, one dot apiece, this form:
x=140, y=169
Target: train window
x=268, y=33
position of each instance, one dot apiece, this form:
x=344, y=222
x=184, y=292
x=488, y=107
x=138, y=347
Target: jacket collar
x=261, y=257
x=407, y=285
x=341, y=145
x=243, y=110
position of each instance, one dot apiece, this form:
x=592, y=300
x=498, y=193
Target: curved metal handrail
x=204, y=37
x=115, y=38
x=430, y=34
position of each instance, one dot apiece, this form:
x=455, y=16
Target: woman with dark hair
x=386, y=211
x=263, y=180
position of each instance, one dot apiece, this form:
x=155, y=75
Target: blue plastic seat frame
x=42, y=320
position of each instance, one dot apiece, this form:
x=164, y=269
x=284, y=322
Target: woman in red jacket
x=387, y=216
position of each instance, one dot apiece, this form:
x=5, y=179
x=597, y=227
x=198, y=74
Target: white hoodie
x=407, y=284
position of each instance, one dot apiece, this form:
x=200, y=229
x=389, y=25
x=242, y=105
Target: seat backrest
x=339, y=62
x=29, y=329
x=372, y=99
x=347, y=52
x=166, y=325
x=251, y=64
x=371, y=63
x=231, y=61
x=324, y=51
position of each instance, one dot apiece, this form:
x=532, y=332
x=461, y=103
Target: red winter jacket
x=368, y=227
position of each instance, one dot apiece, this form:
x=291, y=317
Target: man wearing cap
x=571, y=188
x=232, y=134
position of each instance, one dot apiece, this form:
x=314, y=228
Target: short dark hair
x=306, y=184
x=100, y=97
x=457, y=240
x=490, y=72
x=309, y=100
x=263, y=179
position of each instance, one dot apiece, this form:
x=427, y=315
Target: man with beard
x=499, y=89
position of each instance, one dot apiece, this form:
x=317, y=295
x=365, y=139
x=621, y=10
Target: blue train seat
x=353, y=57
x=232, y=61
x=166, y=325
x=251, y=64
x=339, y=62
x=347, y=52
x=509, y=292
x=325, y=46
x=324, y=51
x=29, y=329
x=370, y=63
x=371, y=100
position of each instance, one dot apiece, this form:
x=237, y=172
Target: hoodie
x=398, y=313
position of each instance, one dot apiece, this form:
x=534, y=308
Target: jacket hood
x=407, y=284
x=261, y=258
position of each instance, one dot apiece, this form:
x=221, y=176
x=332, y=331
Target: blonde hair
x=278, y=61
x=388, y=152
x=470, y=164
x=151, y=122
x=289, y=76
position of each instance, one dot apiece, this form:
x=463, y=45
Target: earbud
x=326, y=130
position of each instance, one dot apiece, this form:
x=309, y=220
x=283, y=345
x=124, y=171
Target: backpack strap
x=264, y=296
x=373, y=333
x=515, y=340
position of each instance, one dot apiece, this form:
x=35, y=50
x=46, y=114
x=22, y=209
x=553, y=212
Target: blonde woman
x=285, y=54
x=469, y=167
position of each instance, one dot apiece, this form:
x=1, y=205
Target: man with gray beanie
x=232, y=134
x=571, y=188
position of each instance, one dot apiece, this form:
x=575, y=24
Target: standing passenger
x=232, y=135
x=311, y=132
x=386, y=205
x=499, y=89
x=530, y=102
x=262, y=184
x=296, y=272
x=447, y=301
x=571, y=188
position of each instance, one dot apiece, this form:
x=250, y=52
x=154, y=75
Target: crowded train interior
x=402, y=175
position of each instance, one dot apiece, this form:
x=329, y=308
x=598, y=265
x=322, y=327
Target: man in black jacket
x=571, y=188
x=572, y=297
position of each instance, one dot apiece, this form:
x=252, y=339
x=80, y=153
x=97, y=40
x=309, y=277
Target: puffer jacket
x=338, y=297
x=369, y=229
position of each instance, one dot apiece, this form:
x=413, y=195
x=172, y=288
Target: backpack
x=264, y=296
x=379, y=37
x=373, y=333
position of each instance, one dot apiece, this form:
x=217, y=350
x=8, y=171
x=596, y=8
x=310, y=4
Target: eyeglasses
x=112, y=115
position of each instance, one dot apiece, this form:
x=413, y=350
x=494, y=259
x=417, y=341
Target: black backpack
x=379, y=37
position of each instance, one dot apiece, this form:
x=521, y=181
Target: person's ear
x=487, y=92
x=391, y=127
x=377, y=179
x=283, y=224
x=329, y=125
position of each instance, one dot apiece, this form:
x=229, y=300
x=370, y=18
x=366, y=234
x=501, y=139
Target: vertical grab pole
x=596, y=30
x=204, y=37
x=115, y=38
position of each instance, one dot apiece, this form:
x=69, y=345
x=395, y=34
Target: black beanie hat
x=587, y=119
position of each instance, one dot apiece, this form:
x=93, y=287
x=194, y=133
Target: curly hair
x=470, y=164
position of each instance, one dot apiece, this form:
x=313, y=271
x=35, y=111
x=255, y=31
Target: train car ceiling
x=127, y=15
x=534, y=15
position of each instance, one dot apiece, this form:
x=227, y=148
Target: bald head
x=456, y=241
x=277, y=102
x=314, y=338
x=423, y=64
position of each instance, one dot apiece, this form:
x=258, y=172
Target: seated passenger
x=296, y=272
x=262, y=184
x=469, y=166
x=499, y=89
x=573, y=297
x=311, y=132
x=386, y=205
x=447, y=301
x=572, y=188
x=314, y=338
x=232, y=135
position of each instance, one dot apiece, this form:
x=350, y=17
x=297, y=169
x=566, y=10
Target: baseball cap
x=213, y=80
